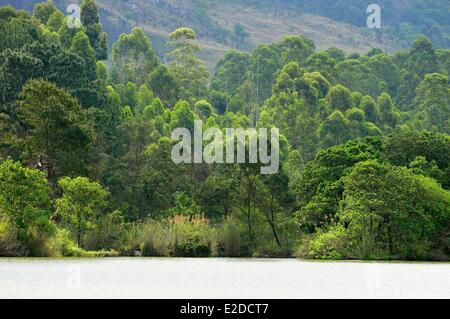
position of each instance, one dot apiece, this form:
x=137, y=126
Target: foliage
x=178, y=236
x=85, y=145
x=25, y=209
x=80, y=204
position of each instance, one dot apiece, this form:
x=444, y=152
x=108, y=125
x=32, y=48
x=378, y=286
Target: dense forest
x=221, y=25
x=85, y=146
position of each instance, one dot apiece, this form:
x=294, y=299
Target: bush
x=69, y=248
x=155, y=239
x=191, y=246
x=36, y=243
x=179, y=236
x=230, y=239
x=9, y=246
x=192, y=237
x=329, y=245
x=108, y=233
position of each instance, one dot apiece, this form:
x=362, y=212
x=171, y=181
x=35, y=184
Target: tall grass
x=178, y=236
x=9, y=246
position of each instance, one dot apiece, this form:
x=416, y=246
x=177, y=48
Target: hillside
x=222, y=25
x=96, y=155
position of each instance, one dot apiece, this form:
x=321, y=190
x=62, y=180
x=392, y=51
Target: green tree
x=81, y=46
x=55, y=21
x=56, y=133
x=16, y=33
x=389, y=115
x=381, y=217
x=164, y=85
x=370, y=108
x=90, y=19
x=334, y=130
x=422, y=58
x=296, y=49
x=241, y=34
x=25, y=202
x=189, y=71
x=43, y=11
x=433, y=98
x=340, y=98
x=80, y=205
x=133, y=58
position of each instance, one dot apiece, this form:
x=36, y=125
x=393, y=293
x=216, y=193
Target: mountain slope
x=215, y=23
x=243, y=24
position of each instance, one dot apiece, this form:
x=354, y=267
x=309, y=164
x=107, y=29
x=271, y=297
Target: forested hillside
x=401, y=18
x=85, y=145
x=244, y=24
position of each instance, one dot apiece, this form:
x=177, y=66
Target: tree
x=265, y=62
x=275, y=200
x=320, y=188
x=185, y=66
x=370, y=108
x=433, y=98
x=80, y=205
x=16, y=68
x=133, y=58
x=7, y=12
x=422, y=58
x=231, y=71
x=16, y=33
x=25, y=202
x=66, y=34
x=296, y=49
x=90, y=19
x=203, y=109
x=402, y=148
x=355, y=74
x=81, y=47
x=164, y=85
x=385, y=69
x=334, y=130
x=388, y=112
x=56, y=135
x=321, y=62
x=381, y=217
x=43, y=11
x=340, y=98
x=55, y=21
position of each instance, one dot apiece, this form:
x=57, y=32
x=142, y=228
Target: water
x=219, y=278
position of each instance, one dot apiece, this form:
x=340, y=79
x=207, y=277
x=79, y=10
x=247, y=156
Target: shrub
x=191, y=246
x=329, y=245
x=230, y=239
x=179, y=236
x=69, y=248
x=154, y=239
x=108, y=233
x=9, y=246
x=192, y=237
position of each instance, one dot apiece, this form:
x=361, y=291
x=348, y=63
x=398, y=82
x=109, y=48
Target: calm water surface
x=219, y=278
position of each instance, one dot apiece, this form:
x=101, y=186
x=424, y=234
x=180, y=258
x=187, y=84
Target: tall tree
x=81, y=46
x=90, y=19
x=81, y=205
x=133, y=58
x=57, y=136
x=25, y=202
x=433, y=99
x=185, y=66
x=43, y=11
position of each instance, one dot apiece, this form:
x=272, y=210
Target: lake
x=219, y=278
